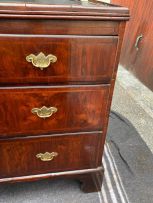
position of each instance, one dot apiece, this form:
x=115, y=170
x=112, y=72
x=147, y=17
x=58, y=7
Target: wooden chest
x=57, y=73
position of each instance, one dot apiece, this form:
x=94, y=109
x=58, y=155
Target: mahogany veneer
x=80, y=108
x=57, y=73
x=74, y=58
x=72, y=152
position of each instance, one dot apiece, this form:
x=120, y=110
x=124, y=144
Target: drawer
x=28, y=156
x=59, y=27
x=56, y=59
x=34, y=111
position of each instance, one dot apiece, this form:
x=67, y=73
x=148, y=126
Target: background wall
x=137, y=49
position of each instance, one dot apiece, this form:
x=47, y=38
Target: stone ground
x=135, y=102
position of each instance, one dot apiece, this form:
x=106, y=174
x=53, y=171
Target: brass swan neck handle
x=44, y=112
x=41, y=61
x=46, y=156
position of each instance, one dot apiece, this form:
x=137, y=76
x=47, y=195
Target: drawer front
x=28, y=156
x=59, y=27
x=73, y=109
x=50, y=59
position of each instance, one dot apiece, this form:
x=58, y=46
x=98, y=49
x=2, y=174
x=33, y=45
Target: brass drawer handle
x=46, y=156
x=137, y=41
x=44, y=112
x=41, y=61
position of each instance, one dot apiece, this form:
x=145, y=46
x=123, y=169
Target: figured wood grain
x=106, y=122
x=58, y=27
x=79, y=58
x=79, y=109
x=18, y=157
x=96, y=31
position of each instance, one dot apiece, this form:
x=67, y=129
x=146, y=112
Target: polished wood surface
x=18, y=157
x=79, y=109
x=86, y=38
x=90, y=179
x=59, y=27
x=89, y=10
x=139, y=60
x=75, y=59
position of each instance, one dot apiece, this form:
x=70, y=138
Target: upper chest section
x=72, y=9
x=82, y=35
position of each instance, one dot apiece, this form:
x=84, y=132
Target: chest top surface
x=61, y=2
x=65, y=7
x=70, y=2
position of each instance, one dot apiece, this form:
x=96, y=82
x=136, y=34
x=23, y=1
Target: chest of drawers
x=57, y=73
